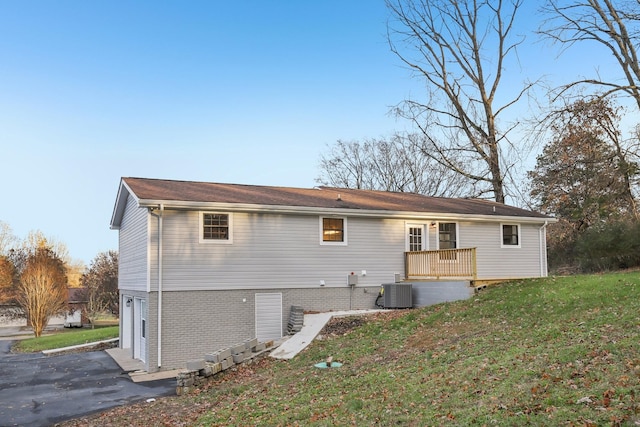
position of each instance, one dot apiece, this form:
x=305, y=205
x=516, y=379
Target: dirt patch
x=339, y=326
x=166, y=411
x=181, y=410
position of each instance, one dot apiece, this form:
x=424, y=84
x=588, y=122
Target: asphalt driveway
x=39, y=390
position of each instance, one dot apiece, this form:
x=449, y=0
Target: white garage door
x=268, y=316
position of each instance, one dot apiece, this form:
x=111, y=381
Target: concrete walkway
x=79, y=346
x=135, y=367
x=313, y=324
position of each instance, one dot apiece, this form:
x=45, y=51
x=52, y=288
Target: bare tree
x=42, y=289
x=7, y=238
x=37, y=239
x=345, y=166
x=100, y=284
x=459, y=47
x=616, y=27
x=397, y=164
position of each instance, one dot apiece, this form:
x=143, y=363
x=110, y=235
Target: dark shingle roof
x=322, y=197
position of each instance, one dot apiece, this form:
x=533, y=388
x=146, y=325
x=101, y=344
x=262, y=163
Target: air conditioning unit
x=397, y=295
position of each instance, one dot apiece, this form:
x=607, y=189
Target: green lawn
x=65, y=338
x=556, y=351
x=547, y=352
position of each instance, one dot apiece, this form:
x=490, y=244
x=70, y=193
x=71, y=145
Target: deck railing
x=444, y=263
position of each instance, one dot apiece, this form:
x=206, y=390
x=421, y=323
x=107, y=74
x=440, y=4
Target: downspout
x=351, y=298
x=160, y=286
x=543, y=250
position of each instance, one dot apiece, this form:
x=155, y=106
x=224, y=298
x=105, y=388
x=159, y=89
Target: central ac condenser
x=397, y=295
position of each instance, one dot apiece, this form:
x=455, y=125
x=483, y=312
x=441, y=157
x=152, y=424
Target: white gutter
x=543, y=250
x=160, y=285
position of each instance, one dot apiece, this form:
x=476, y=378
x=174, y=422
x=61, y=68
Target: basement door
x=268, y=316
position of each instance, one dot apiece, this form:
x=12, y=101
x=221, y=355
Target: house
x=75, y=317
x=13, y=315
x=207, y=265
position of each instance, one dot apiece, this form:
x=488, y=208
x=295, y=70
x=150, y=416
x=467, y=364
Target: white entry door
x=417, y=237
x=268, y=316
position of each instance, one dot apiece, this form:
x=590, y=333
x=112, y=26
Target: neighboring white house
x=204, y=266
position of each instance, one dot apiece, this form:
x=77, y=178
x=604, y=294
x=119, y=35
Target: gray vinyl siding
x=284, y=251
x=275, y=251
x=495, y=262
x=132, y=266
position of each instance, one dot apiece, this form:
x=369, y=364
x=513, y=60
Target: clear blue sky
x=227, y=91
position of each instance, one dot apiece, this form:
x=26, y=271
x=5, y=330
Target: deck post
x=474, y=264
x=406, y=266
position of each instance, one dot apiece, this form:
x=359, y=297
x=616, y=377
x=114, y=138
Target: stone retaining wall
x=200, y=370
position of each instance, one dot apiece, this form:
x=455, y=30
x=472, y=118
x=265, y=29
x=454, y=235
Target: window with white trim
x=216, y=227
x=448, y=239
x=333, y=231
x=447, y=235
x=510, y=235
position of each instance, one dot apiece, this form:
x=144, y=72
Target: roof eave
x=312, y=210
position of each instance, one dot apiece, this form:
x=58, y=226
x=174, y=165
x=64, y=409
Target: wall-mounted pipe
x=544, y=271
x=160, y=224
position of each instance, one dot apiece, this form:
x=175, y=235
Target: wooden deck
x=441, y=264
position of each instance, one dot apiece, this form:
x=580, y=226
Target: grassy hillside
x=557, y=351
